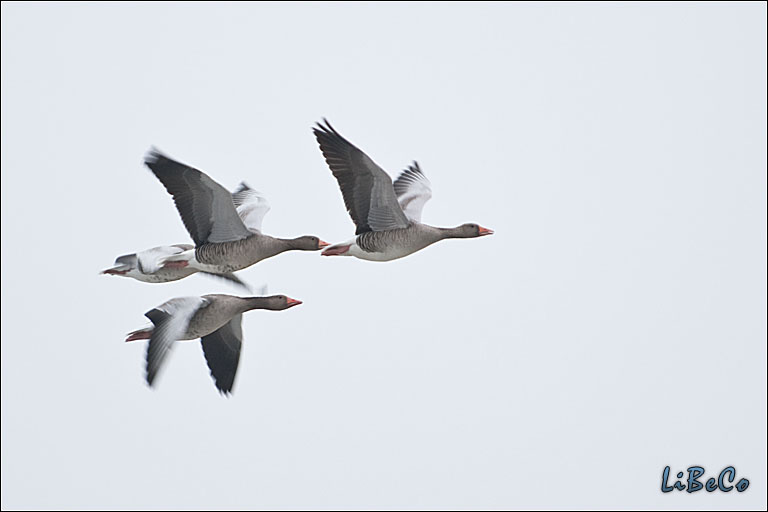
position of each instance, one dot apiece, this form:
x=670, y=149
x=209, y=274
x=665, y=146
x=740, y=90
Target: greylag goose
x=223, y=243
x=153, y=265
x=387, y=216
x=216, y=319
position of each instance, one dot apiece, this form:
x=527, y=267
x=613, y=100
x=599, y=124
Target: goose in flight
x=387, y=215
x=153, y=265
x=226, y=239
x=216, y=319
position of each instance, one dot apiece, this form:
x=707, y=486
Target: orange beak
x=484, y=231
x=292, y=302
x=322, y=245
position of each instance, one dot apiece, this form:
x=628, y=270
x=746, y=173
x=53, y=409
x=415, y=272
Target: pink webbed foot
x=141, y=334
x=336, y=250
x=114, y=272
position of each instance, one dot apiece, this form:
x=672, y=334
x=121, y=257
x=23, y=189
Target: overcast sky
x=613, y=325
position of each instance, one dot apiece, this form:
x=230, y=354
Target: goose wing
x=251, y=206
x=413, y=190
x=366, y=188
x=171, y=321
x=205, y=206
x=152, y=260
x=222, y=353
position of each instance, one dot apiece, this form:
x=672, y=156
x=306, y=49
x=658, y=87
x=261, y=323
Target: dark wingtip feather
x=224, y=386
x=225, y=392
x=153, y=155
x=411, y=174
x=156, y=316
x=329, y=127
x=242, y=187
x=151, y=370
x=326, y=129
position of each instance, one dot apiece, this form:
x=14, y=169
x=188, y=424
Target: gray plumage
x=223, y=242
x=413, y=238
x=222, y=352
x=232, y=256
x=215, y=318
x=206, y=208
x=413, y=190
x=387, y=214
x=412, y=174
x=240, y=194
x=135, y=265
x=366, y=188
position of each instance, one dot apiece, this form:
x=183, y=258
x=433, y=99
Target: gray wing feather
x=171, y=320
x=251, y=206
x=413, y=190
x=205, y=206
x=222, y=353
x=152, y=260
x=129, y=260
x=366, y=188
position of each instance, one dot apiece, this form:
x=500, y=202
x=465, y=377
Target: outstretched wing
x=413, y=190
x=251, y=206
x=222, y=353
x=171, y=320
x=367, y=189
x=205, y=206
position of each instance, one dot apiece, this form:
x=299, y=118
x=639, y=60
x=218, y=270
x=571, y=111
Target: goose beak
x=322, y=245
x=292, y=302
x=481, y=231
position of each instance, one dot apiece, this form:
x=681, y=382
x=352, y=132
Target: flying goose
x=387, y=215
x=153, y=265
x=216, y=319
x=223, y=242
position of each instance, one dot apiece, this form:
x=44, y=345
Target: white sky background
x=614, y=324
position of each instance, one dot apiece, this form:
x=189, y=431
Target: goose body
x=173, y=262
x=145, y=265
x=215, y=318
x=226, y=228
x=162, y=265
x=227, y=257
x=387, y=215
x=388, y=245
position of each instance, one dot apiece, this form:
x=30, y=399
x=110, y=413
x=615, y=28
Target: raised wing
x=251, y=206
x=171, y=320
x=205, y=206
x=127, y=260
x=152, y=260
x=123, y=264
x=222, y=353
x=367, y=189
x=413, y=190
